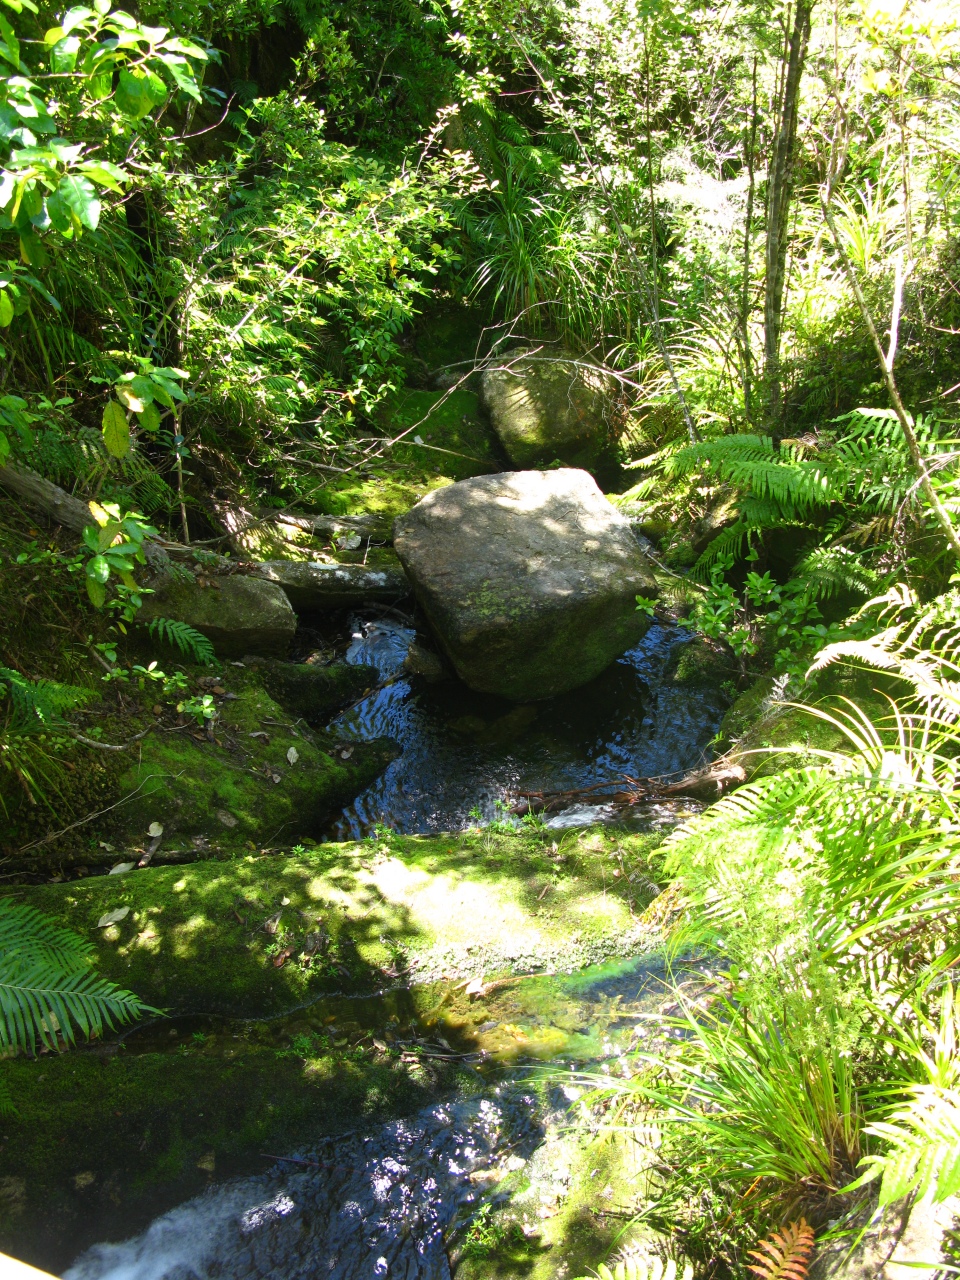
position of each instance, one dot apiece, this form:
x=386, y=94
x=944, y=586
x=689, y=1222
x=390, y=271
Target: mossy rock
x=703, y=662
x=310, y=691
x=457, y=439
x=103, y=1140
x=193, y=940
x=769, y=734
x=263, y=779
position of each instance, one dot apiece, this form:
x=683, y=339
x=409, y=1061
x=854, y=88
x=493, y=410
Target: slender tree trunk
x=750, y=157
x=779, y=191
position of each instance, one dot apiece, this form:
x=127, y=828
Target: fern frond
x=36, y=704
x=784, y=1255
x=48, y=991
x=191, y=643
x=826, y=571
x=24, y=931
x=642, y=1269
x=729, y=541
x=39, y=1000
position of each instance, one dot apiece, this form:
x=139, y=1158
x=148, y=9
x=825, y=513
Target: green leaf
x=97, y=593
x=98, y=569
x=63, y=55
x=116, y=430
x=149, y=416
x=106, y=174
x=6, y=309
x=4, y=448
x=80, y=196
x=138, y=92
x=32, y=251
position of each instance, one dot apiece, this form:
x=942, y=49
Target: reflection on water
x=350, y=1209
x=385, y=1203
x=463, y=752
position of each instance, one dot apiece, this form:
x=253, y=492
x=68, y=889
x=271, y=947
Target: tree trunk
x=779, y=191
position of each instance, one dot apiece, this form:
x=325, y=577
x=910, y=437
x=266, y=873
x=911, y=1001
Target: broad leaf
x=116, y=430
x=80, y=196
x=150, y=418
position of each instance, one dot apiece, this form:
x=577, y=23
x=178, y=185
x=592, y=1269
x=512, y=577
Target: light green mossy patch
x=100, y=1144
x=197, y=939
x=460, y=441
x=768, y=735
x=457, y=441
x=245, y=785
x=563, y=1212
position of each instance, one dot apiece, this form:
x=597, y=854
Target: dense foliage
x=228, y=232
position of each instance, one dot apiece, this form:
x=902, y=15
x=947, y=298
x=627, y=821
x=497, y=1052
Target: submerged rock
x=546, y=407
x=313, y=586
x=528, y=578
x=314, y=691
x=237, y=614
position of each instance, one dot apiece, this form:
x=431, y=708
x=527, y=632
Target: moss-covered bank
x=203, y=938
x=107, y=1137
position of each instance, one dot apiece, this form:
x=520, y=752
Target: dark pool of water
x=464, y=753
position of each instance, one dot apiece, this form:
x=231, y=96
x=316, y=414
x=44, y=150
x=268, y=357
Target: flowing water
x=386, y=1202
x=465, y=753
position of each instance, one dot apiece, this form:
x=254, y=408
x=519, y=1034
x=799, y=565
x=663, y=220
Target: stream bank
x=309, y=992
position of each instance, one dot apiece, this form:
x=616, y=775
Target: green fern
x=828, y=571
x=48, y=992
x=191, y=643
x=31, y=721
x=642, y=1269
x=922, y=1138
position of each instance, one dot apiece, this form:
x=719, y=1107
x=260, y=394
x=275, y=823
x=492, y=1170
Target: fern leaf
x=38, y=1000
x=191, y=643
x=784, y=1255
x=47, y=988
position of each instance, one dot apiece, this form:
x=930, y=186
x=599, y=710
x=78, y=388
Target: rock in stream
x=529, y=579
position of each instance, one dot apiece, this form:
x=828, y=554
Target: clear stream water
x=463, y=752
x=386, y=1203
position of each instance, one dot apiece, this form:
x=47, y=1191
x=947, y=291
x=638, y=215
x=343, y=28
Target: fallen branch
x=703, y=784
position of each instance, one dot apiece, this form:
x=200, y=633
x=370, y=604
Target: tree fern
x=191, y=643
x=48, y=991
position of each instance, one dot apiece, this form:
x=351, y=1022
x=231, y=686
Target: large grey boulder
x=237, y=614
x=529, y=579
x=548, y=407
x=313, y=586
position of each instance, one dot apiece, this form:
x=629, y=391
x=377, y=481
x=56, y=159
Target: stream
x=394, y=1199
x=389, y=1201
x=465, y=753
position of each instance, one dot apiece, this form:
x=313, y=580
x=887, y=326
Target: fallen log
x=71, y=512
x=702, y=784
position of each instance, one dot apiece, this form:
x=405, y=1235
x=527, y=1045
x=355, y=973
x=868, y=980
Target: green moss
x=100, y=1143
x=461, y=444
x=313, y=691
x=106, y=1138
x=194, y=939
x=243, y=787
x=704, y=662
